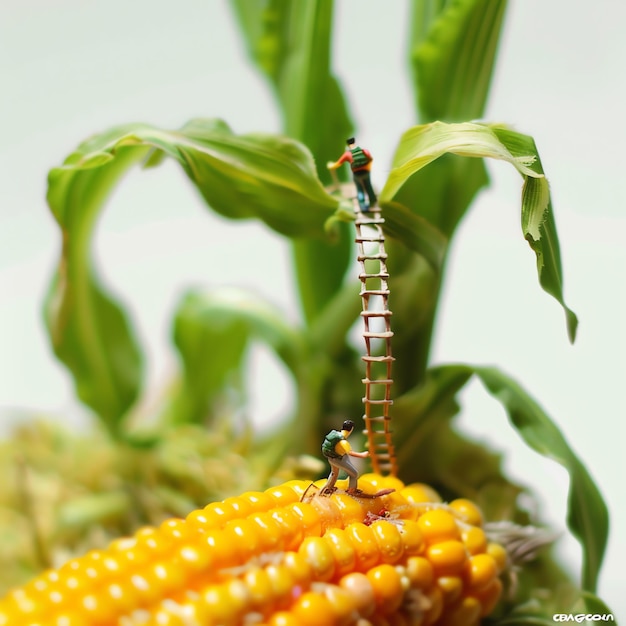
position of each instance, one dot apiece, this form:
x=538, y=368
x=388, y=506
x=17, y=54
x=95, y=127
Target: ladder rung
x=384, y=335
x=376, y=313
x=369, y=222
x=377, y=359
x=369, y=401
x=384, y=457
x=379, y=275
x=372, y=257
x=386, y=466
x=374, y=292
x=361, y=239
x=380, y=381
x=381, y=444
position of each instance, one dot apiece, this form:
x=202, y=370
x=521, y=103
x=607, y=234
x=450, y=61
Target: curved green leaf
x=587, y=513
x=267, y=177
x=421, y=145
x=538, y=225
x=434, y=401
x=88, y=330
x=212, y=330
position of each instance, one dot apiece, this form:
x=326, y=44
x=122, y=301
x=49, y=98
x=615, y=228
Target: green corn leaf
x=256, y=175
x=587, y=513
x=88, y=329
x=453, y=50
x=417, y=233
x=592, y=604
x=419, y=413
x=290, y=42
x=212, y=330
x=538, y=225
x=421, y=145
x=251, y=176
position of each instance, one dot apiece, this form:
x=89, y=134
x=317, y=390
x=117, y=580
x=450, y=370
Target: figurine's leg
x=332, y=478
x=360, y=192
x=370, y=192
x=353, y=474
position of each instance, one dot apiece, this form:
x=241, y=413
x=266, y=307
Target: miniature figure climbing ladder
x=377, y=330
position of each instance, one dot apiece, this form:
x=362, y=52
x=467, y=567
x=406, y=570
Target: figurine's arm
x=345, y=157
x=361, y=455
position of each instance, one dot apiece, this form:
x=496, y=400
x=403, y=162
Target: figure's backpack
x=330, y=441
x=359, y=158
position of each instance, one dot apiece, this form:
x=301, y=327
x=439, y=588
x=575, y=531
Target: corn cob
x=276, y=558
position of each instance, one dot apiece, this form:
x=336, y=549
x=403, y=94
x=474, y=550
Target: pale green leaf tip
x=572, y=324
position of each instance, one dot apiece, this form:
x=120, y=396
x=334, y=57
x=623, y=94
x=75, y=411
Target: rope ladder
x=377, y=334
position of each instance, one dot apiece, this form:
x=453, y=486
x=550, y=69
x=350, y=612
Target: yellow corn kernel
x=289, y=523
x=225, y=603
x=499, y=555
x=362, y=590
x=488, y=596
x=387, y=586
x=412, y=538
x=282, y=581
x=281, y=557
x=259, y=501
x=319, y=554
x=283, y=618
x=419, y=493
x=389, y=541
x=291, y=491
x=309, y=518
x=364, y=542
x=299, y=568
x=438, y=525
x=350, y=510
x=343, y=602
x=313, y=609
x=480, y=570
x=259, y=586
x=343, y=551
x=241, y=506
x=467, y=611
x=474, y=539
x=447, y=557
x=451, y=588
x=271, y=535
x=467, y=511
x=420, y=572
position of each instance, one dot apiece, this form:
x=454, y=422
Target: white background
x=70, y=68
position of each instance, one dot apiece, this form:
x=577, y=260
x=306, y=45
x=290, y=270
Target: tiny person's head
x=348, y=425
x=350, y=142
